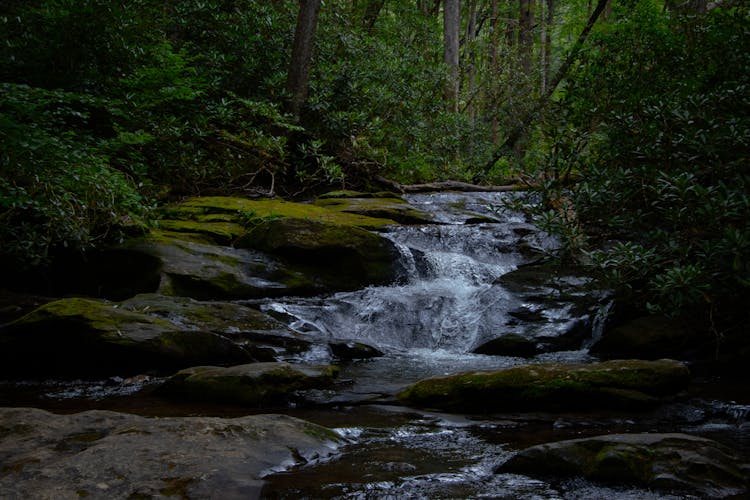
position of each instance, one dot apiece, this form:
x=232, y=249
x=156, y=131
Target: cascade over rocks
x=554, y=311
x=671, y=462
x=621, y=384
x=103, y=454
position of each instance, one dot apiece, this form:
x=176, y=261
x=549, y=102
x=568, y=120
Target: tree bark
x=372, y=11
x=525, y=34
x=549, y=17
x=299, y=66
x=451, y=34
x=471, y=34
x=494, y=66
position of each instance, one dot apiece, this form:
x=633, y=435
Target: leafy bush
x=662, y=104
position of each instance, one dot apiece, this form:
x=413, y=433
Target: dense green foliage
x=656, y=125
x=106, y=109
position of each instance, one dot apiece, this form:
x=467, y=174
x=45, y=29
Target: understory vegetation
x=108, y=109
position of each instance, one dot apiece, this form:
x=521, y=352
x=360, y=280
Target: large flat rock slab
x=102, y=454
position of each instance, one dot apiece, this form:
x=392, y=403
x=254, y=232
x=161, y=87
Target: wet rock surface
x=630, y=384
x=102, y=454
x=671, y=462
x=253, y=384
x=82, y=336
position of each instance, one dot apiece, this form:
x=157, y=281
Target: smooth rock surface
x=252, y=384
x=662, y=461
x=107, y=455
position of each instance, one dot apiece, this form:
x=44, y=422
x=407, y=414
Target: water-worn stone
x=549, y=310
x=648, y=337
x=661, y=461
x=86, y=337
x=510, y=344
x=251, y=384
x=630, y=384
x=207, y=271
x=335, y=257
x=102, y=454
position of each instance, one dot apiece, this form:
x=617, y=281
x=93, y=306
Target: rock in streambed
x=78, y=336
x=619, y=384
x=672, y=462
x=102, y=454
x=252, y=384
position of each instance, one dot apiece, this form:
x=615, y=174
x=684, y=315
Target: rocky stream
x=358, y=346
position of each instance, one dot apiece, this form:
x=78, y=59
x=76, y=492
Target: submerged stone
x=102, y=454
x=251, y=384
x=630, y=384
x=671, y=462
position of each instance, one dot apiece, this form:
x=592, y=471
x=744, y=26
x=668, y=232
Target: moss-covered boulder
x=249, y=212
x=334, y=256
x=85, y=337
x=203, y=270
x=250, y=384
x=630, y=384
x=671, y=462
x=395, y=209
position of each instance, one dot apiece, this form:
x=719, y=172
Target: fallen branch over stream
x=440, y=186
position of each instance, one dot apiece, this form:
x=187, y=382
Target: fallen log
x=440, y=186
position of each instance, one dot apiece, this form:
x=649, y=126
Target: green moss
x=247, y=384
x=219, y=232
x=394, y=209
x=613, y=383
x=260, y=209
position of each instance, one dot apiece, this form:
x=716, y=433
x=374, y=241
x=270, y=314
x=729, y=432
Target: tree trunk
x=372, y=11
x=549, y=17
x=299, y=66
x=471, y=34
x=525, y=34
x=494, y=66
x=451, y=34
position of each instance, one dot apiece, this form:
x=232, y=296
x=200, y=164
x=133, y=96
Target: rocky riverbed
x=356, y=346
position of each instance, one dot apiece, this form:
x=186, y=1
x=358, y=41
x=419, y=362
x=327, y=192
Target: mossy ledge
x=616, y=384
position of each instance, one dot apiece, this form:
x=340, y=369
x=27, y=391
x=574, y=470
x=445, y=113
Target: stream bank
x=460, y=285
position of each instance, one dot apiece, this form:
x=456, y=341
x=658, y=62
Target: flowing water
x=448, y=304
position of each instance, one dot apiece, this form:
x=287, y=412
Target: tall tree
x=451, y=37
x=299, y=66
x=525, y=33
x=548, y=15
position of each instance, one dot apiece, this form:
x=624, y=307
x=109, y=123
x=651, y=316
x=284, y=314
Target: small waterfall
x=599, y=323
x=449, y=302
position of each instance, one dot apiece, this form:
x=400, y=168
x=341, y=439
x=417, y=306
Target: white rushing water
x=449, y=303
